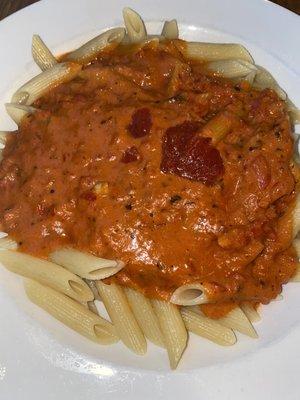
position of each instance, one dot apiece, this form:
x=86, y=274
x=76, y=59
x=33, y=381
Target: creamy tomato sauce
x=117, y=163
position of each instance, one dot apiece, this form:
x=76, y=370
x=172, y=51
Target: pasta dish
x=154, y=175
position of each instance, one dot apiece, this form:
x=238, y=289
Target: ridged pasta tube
x=71, y=313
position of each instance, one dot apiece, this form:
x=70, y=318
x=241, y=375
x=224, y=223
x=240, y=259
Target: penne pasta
x=92, y=48
x=135, y=27
x=231, y=68
x=170, y=30
x=296, y=217
x=18, y=111
x=293, y=111
x=219, y=126
x=72, y=314
x=93, y=287
x=122, y=317
x=296, y=149
x=86, y=265
x=173, y=329
x=92, y=307
x=145, y=316
x=278, y=298
x=238, y=321
x=296, y=277
x=47, y=80
x=41, y=54
x=3, y=137
x=294, y=115
x=296, y=244
x=189, y=295
x=250, y=312
x=6, y=243
x=152, y=40
x=22, y=97
x=207, y=328
x=174, y=81
x=47, y=273
x=250, y=77
x=216, y=51
x=263, y=80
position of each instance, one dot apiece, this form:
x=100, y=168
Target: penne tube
x=264, y=80
x=250, y=312
x=6, y=243
x=72, y=314
x=47, y=80
x=122, y=317
x=86, y=265
x=189, y=295
x=294, y=114
x=170, y=30
x=196, y=309
x=151, y=39
x=296, y=277
x=135, y=27
x=174, y=81
x=92, y=307
x=93, y=287
x=18, y=111
x=22, y=97
x=173, y=329
x=207, y=328
x=250, y=77
x=41, y=54
x=278, y=298
x=293, y=111
x=296, y=150
x=92, y=48
x=296, y=217
x=219, y=126
x=3, y=137
x=47, y=273
x=238, y=321
x=216, y=51
x=231, y=68
x=296, y=244
x=145, y=316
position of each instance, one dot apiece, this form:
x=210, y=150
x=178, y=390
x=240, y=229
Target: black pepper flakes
x=175, y=198
x=277, y=134
x=160, y=266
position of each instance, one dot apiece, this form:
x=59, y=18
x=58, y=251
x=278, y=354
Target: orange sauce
x=75, y=174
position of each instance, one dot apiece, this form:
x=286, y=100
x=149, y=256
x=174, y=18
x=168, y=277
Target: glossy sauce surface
x=115, y=163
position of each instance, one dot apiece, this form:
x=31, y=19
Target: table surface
x=7, y=7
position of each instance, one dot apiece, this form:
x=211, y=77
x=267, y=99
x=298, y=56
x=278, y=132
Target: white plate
x=39, y=358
